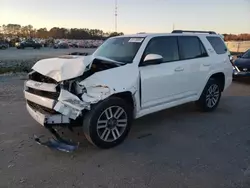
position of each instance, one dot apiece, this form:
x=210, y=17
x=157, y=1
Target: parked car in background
x=4, y=45
x=73, y=45
x=242, y=65
x=61, y=45
x=28, y=43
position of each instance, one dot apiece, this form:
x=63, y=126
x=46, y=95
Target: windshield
x=121, y=49
x=246, y=55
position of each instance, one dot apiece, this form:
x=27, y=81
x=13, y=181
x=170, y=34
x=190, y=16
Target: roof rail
x=188, y=31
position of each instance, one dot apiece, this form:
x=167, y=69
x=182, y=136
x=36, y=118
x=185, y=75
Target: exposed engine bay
x=71, y=96
x=97, y=66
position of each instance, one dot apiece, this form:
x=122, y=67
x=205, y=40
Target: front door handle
x=206, y=64
x=178, y=69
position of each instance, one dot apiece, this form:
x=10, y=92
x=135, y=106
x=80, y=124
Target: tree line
x=16, y=30
x=240, y=37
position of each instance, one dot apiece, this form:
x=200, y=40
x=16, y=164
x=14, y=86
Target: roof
x=178, y=33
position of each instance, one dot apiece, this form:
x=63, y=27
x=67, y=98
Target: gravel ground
x=175, y=148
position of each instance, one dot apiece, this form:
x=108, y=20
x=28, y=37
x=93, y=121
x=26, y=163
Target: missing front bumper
x=48, y=119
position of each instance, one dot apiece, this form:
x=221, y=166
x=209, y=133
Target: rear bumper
x=48, y=119
x=237, y=74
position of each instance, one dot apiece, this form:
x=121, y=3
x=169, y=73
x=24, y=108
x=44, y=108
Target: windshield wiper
x=110, y=60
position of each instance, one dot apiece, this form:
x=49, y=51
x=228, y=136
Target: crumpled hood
x=63, y=68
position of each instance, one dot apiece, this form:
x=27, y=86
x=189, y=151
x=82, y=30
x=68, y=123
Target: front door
x=165, y=82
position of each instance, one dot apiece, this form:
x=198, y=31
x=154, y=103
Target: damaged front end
x=53, y=100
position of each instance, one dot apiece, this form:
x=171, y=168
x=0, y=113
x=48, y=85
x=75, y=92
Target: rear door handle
x=178, y=69
x=206, y=64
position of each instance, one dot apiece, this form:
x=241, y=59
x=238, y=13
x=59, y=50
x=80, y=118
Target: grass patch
x=14, y=69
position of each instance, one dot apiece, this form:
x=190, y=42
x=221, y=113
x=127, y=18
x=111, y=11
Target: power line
x=116, y=15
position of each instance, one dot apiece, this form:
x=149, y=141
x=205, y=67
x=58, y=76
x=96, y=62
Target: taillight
x=232, y=62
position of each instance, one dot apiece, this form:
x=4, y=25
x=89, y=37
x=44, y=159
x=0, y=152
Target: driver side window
x=167, y=47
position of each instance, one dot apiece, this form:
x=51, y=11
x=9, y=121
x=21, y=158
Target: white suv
x=128, y=77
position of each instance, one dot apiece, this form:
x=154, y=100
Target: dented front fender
x=95, y=88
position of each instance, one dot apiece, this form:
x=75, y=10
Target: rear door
x=220, y=57
x=194, y=57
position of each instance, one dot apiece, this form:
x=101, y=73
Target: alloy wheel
x=112, y=123
x=213, y=94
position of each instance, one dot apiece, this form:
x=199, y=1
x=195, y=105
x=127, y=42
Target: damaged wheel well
x=127, y=96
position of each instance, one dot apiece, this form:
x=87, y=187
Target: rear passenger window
x=167, y=47
x=191, y=47
x=218, y=45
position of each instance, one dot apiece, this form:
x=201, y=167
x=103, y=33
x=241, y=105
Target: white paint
x=152, y=57
x=43, y=101
x=41, y=86
x=161, y=85
x=69, y=104
x=63, y=68
x=47, y=118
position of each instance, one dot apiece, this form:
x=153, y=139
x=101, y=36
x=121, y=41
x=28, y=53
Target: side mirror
x=152, y=59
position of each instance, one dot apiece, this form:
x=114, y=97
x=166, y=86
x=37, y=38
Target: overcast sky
x=223, y=16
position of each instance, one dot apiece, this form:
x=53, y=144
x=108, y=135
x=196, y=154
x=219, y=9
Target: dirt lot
x=176, y=148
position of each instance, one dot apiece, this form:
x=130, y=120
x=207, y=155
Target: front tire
x=108, y=122
x=210, y=97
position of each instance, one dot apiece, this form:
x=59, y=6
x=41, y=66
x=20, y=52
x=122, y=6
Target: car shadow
x=141, y=128
x=150, y=125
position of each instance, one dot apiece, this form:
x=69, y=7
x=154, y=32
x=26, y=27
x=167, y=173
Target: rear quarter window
x=217, y=44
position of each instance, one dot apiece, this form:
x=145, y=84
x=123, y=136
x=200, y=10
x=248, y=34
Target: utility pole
x=115, y=15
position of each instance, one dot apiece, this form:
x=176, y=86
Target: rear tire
x=108, y=122
x=210, y=97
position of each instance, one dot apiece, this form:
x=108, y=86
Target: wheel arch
x=128, y=97
x=217, y=76
x=220, y=77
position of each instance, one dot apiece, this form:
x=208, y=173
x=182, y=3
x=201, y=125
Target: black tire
x=91, y=119
x=203, y=103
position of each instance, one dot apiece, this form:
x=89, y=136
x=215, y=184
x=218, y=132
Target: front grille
x=41, y=78
x=47, y=94
x=41, y=108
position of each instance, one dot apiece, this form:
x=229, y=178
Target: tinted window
x=246, y=54
x=191, y=47
x=167, y=47
x=218, y=45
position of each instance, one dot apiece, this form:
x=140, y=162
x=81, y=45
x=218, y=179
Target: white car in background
x=126, y=78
